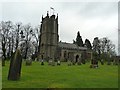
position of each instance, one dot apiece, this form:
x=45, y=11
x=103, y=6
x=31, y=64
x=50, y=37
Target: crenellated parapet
x=48, y=18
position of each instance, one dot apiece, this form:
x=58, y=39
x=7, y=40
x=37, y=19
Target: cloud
x=90, y=18
x=99, y=9
x=0, y=11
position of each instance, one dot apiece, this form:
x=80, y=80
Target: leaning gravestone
x=15, y=66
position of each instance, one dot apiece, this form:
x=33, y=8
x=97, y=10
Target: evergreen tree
x=88, y=44
x=79, y=40
x=74, y=42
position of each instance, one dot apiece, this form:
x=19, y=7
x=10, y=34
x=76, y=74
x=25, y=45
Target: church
x=52, y=48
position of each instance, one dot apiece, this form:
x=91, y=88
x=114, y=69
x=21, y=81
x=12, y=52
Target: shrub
x=28, y=62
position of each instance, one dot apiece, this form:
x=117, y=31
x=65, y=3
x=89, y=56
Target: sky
x=91, y=19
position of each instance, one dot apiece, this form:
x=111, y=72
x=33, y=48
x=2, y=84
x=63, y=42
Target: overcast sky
x=92, y=19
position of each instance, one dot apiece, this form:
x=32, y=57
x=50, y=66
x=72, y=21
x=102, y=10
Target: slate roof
x=70, y=46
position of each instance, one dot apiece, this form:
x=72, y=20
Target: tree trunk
x=26, y=53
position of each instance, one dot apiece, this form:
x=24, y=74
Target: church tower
x=49, y=36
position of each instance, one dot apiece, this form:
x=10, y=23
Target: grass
x=37, y=76
x=0, y=75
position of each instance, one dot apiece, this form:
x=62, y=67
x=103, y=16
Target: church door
x=77, y=57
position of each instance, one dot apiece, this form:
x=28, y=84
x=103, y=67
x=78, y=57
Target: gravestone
x=102, y=62
x=109, y=62
x=50, y=62
x=94, y=63
x=15, y=66
x=116, y=61
x=53, y=63
x=58, y=62
x=42, y=63
x=79, y=61
x=69, y=63
x=73, y=62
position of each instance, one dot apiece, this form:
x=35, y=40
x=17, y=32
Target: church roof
x=70, y=46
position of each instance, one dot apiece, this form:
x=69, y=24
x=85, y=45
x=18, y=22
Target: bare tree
x=4, y=34
x=11, y=36
x=36, y=36
x=106, y=46
x=18, y=28
x=26, y=35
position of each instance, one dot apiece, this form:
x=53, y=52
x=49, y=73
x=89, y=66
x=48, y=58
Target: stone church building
x=52, y=48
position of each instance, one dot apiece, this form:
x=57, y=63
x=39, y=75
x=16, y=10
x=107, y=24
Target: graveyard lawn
x=63, y=76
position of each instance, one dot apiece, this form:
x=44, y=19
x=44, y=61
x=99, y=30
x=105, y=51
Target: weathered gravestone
x=73, y=62
x=94, y=61
x=109, y=62
x=69, y=63
x=79, y=61
x=15, y=66
x=116, y=61
x=94, y=64
x=51, y=62
x=102, y=62
x=58, y=62
x=42, y=62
